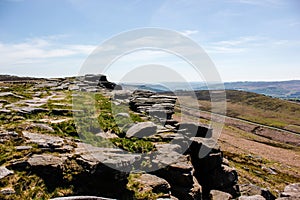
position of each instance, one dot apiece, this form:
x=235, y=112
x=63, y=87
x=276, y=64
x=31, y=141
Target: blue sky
x=246, y=39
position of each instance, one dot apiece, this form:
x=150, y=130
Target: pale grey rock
x=219, y=195
x=10, y=94
x=46, y=160
x=254, y=197
x=123, y=115
x=7, y=191
x=5, y=172
x=141, y=129
x=292, y=190
x=153, y=183
x=23, y=148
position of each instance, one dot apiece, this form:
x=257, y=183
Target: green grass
x=134, y=145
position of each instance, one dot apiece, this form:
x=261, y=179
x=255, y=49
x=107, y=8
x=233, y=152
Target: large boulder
x=142, y=129
x=210, y=171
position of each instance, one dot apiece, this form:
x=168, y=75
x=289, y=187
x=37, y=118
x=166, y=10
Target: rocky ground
x=78, y=137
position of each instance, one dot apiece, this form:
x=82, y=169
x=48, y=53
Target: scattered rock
x=250, y=190
x=141, y=129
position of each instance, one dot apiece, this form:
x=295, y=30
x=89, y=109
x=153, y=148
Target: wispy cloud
x=38, y=49
x=249, y=43
x=260, y=2
x=189, y=32
x=237, y=45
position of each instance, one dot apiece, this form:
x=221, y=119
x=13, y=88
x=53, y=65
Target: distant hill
x=279, y=89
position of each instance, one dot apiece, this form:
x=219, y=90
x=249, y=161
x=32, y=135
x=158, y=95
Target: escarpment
x=113, y=143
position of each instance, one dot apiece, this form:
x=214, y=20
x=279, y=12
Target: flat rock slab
x=5, y=172
x=255, y=197
x=44, y=140
x=142, y=129
x=23, y=148
x=46, y=160
x=111, y=157
x=29, y=110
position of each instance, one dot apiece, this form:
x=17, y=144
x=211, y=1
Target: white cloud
x=39, y=49
x=189, y=32
x=237, y=45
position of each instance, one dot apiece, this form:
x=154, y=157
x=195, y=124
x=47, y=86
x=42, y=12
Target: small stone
x=123, y=115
